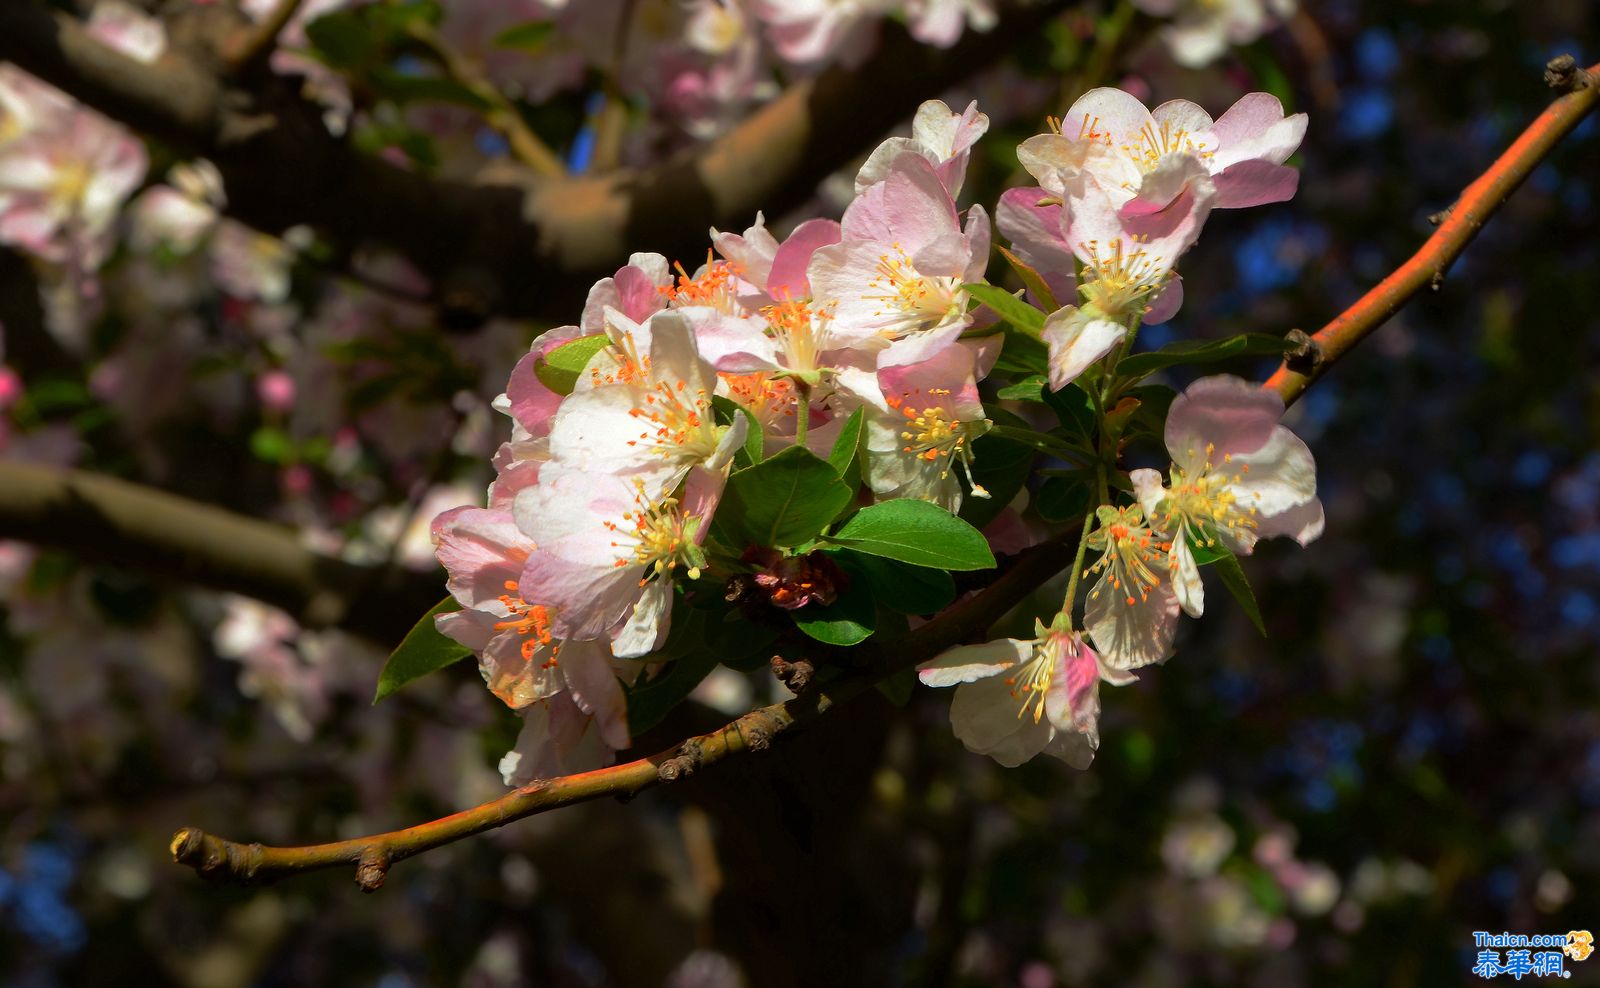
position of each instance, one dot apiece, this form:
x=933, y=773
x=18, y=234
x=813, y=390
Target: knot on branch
x=795, y=676
x=214, y=858
x=1306, y=356
x=757, y=729
x=373, y=868
x=683, y=764
x=1564, y=76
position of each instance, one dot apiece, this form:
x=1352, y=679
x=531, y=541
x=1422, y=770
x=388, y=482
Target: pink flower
x=1202, y=30
x=1136, y=155
x=943, y=138
x=916, y=445
x=62, y=185
x=559, y=737
x=522, y=661
x=1237, y=475
x=606, y=550
x=127, y=29
x=1077, y=338
x=1017, y=698
x=940, y=22
x=900, y=268
x=643, y=408
x=812, y=32
x=1131, y=613
x=777, y=272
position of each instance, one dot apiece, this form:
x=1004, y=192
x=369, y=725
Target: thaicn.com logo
x=1539, y=955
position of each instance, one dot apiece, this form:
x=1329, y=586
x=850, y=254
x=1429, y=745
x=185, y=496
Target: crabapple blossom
x=811, y=32
x=1131, y=613
x=606, y=549
x=1135, y=153
x=944, y=138
x=1237, y=476
x=900, y=268
x=1017, y=698
x=522, y=662
x=643, y=407
x=1202, y=30
x=940, y=22
x=917, y=444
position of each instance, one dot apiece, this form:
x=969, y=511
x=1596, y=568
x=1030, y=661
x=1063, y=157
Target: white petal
x=967, y=663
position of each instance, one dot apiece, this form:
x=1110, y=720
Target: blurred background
x=1412, y=755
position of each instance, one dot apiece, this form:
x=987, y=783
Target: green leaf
x=784, y=500
x=404, y=88
x=1032, y=279
x=726, y=410
x=424, y=650
x=1010, y=308
x=1074, y=408
x=1064, y=497
x=1227, y=567
x=1151, y=415
x=271, y=445
x=1045, y=442
x=343, y=39
x=900, y=587
x=1030, y=388
x=1202, y=352
x=843, y=455
x=1001, y=466
x=560, y=368
x=529, y=36
x=849, y=620
x=915, y=532
x=1206, y=553
x=1023, y=355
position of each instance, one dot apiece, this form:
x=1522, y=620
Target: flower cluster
x=662, y=444
x=607, y=493
x=1123, y=192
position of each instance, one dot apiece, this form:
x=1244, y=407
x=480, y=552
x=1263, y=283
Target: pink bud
x=275, y=388
x=10, y=386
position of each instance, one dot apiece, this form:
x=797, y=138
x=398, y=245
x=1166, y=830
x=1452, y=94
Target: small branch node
x=1436, y=218
x=1437, y=281
x=213, y=858
x=373, y=868
x=757, y=729
x=1306, y=356
x=795, y=676
x=683, y=764
x=1563, y=74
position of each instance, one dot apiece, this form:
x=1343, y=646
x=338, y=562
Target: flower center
x=1154, y=142
x=1128, y=550
x=531, y=621
x=72, y=181
x=657, y=536
x=677, y=418
x=1031, y=683
x=1120, y=277
x=1206, y=503
x=802, y=329
x=765, y=396
x=909, y=298
x=933, y=436
x=716, y=285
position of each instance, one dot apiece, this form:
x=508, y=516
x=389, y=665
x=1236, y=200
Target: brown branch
x=113, y=521
x=254, y=44
x=225, y=860
x=1457, y=227
x=518, y=250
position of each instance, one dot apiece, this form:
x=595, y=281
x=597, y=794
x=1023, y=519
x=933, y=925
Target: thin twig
x=501, y=113
x=225, y=860
x=1457, y=227
x=256, y=43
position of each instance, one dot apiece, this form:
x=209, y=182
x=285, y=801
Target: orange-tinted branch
x=1458, y=226
x=225, y=860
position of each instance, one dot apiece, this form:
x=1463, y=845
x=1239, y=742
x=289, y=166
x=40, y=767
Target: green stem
x=1070, y=599
x=802, y=411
